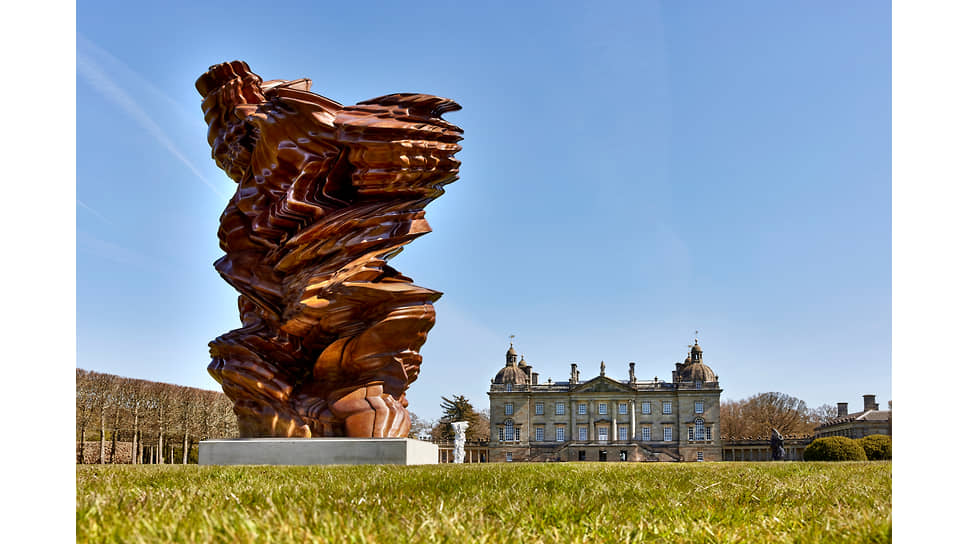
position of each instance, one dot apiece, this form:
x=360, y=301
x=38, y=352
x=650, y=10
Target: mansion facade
x=605, y=419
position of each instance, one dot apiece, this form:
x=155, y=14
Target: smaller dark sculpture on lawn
x=776, y=446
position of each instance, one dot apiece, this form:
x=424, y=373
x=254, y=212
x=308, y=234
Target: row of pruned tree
x=756, y=416
x=148, y=416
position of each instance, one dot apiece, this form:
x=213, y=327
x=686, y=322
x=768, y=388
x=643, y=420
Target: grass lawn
x=549, y=502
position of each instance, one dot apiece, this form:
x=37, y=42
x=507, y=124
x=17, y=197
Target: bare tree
x=756, y=416
x=157, y=414
x=137, y=399
x=85, y=399
x=731, y=422
x=105, y=389
x=822, y=414
x=121, y=404
x=418, y=427
x=163, y=393
x=227, y=422
x=190, y=406
x=481, y=428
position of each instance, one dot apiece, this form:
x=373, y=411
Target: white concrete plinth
x=317, y=451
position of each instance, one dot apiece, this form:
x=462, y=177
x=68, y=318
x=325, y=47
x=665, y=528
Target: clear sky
x=631, y=172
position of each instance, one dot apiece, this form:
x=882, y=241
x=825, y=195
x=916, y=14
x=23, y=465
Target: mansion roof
x=604, y=384
x=867, y=415
x=691, y=374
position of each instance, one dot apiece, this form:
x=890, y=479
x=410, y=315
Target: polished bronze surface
x=326, y=194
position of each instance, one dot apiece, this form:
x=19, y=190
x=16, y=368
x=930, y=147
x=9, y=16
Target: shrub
x=877, y=447
x=834, y=448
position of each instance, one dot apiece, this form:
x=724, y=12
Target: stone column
x=572, y=427
x=614, y=436
x=632, y=415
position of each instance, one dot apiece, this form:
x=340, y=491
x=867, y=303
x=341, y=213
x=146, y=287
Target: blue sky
x=631, y=172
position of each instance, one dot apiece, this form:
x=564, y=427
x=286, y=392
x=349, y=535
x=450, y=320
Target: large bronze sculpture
x=326, y=194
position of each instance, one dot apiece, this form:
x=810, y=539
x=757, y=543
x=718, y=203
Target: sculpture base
x=317, y=451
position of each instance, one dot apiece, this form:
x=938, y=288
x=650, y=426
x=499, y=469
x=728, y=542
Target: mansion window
x=602, y=408
x=603, y=434
x=646, y=407
x=507, y=456
x=507, y=387
x=623, y=409
x=699, y=406
x=623, y=433
x=709, y=433
x=666, y=407
x=559, y=408
x=539, y=434
x=539, y=409
x=508, y=430
x=698, y=430
x=646, y=433
x=508, y=408
x=582, y=408
x=699, y=456
x=517, y=434
x=583, y=433
x=559, y=434
x=667, y=434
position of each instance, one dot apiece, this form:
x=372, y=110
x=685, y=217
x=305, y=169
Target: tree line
x=139, y=421
x=754, y=417
x=153, y=420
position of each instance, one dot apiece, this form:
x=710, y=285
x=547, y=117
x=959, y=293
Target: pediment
x=603, y=384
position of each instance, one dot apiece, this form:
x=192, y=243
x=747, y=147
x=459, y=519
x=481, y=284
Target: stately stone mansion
x=605, y=419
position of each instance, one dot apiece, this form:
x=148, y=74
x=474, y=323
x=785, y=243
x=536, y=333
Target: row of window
x=602, y=456
x=623, y=408
x=510, y=386
x=698, y=431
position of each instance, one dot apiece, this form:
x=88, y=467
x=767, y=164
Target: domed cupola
x=512, y=356
x=511, y=373
x=696, y=352
x=694, y=370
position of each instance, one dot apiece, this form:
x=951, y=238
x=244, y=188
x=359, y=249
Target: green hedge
x=834, y=448
x=877, y=447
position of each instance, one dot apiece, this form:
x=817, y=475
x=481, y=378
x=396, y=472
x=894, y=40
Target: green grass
x=551, y=502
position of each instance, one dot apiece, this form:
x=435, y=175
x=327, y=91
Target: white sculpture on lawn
x=459, y=428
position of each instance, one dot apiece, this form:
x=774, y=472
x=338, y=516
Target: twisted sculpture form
x=326, y=194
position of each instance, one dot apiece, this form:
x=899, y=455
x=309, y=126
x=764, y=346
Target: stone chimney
x=841, y=409
x=631, y=372
x=869, y=403
x=534, y=378
x=574, y=374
